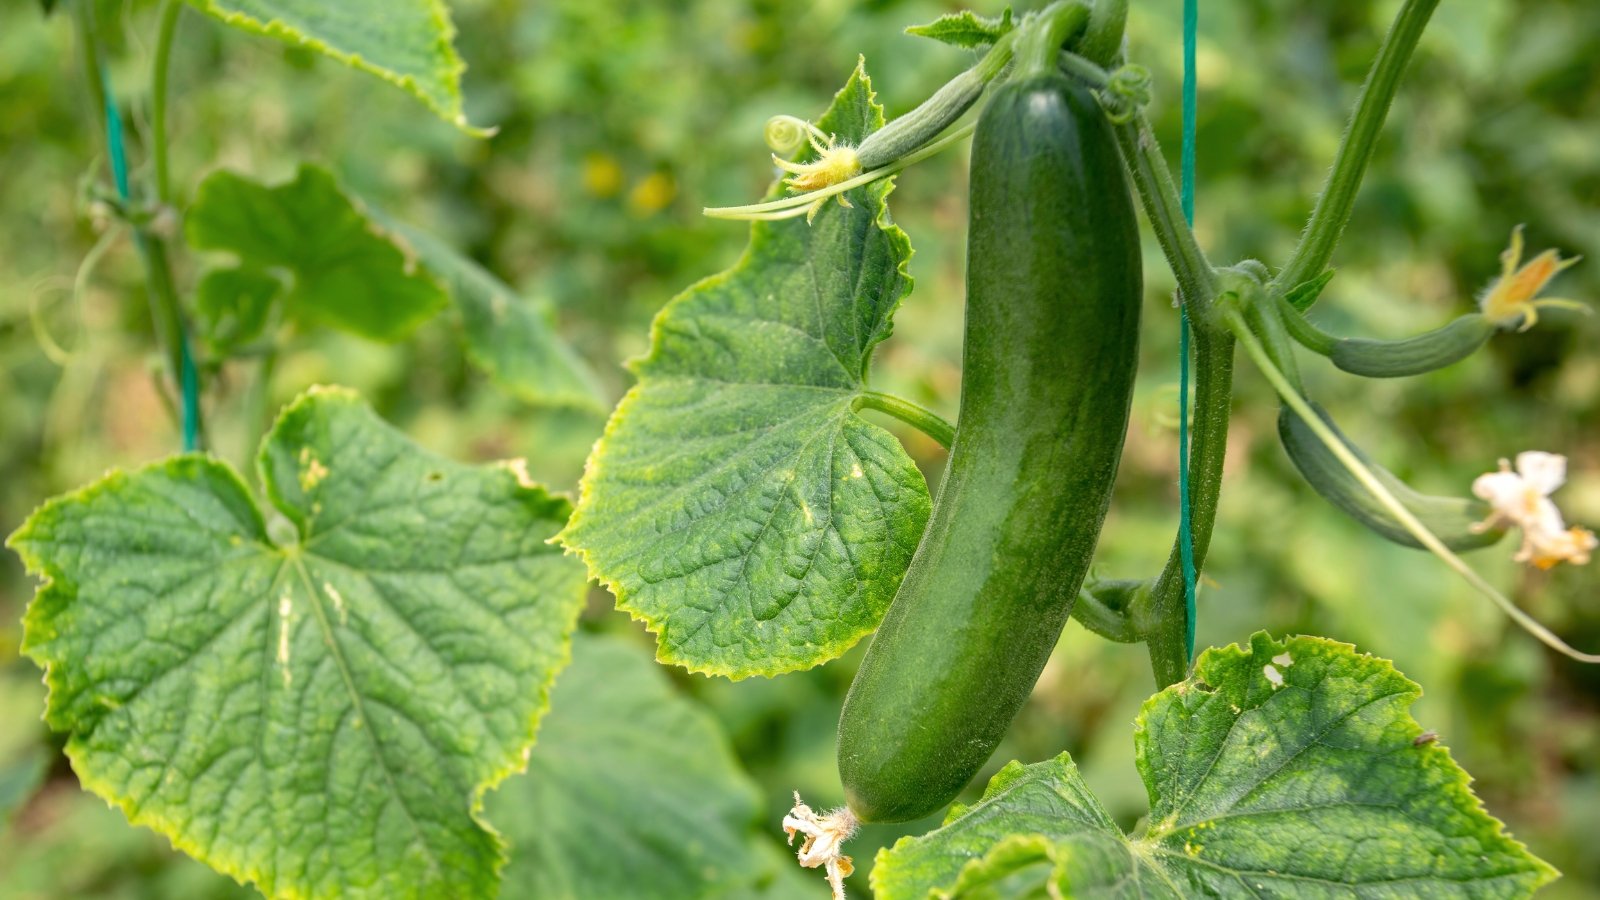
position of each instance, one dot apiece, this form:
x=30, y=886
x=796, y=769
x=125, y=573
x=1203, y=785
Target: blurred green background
x=619, y=120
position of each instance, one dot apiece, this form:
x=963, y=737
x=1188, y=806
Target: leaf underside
x=1287, y=769
x=737, y=503
x=344, y=271
x=504, y=334
x=314, y=705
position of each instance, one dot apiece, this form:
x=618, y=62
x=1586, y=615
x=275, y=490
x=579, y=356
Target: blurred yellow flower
x=602, y=176
x=652, y=194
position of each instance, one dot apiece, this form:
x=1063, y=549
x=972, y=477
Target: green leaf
x=736, y=503
x=1290, y=768
x=311, y=695
x=344, y=270
x=965, y=28
x=405, y=42
x=234, y=305
x=633, y=791
x=1302, y=296
x=510, y=338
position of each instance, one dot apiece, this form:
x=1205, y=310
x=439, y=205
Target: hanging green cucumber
x=1053, y=292
x=1454, y=520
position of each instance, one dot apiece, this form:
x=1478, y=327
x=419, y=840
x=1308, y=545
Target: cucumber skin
x=1053, y=296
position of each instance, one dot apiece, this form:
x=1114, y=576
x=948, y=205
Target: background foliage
x=619, y=120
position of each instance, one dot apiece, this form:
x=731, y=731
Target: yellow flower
x=602, y=176
x=833, y=164
x=1513, y=296
x=652, y=194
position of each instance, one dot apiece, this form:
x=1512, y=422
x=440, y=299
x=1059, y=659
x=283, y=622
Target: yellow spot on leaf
x=312, y=471
x=338, y=602
x=285, y=613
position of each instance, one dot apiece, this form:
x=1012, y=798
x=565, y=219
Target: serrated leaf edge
x=48, y=575
x=452, y=70
x=826, y=652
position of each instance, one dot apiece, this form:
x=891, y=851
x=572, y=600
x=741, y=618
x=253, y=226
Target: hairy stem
x=1162, y=617
x=1197, y=283
x=921, y=418
x=1332, y=212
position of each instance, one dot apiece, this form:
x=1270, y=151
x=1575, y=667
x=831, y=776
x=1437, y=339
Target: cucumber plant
x=325, y=678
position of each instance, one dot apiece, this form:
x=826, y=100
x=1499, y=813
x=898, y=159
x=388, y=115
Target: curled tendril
x=786, y=134
x=1127, y=90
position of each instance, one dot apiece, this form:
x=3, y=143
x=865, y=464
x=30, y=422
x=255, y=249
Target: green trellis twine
x=1191, y=18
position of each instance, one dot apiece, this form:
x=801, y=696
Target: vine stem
x=1162, y=616
x=921, y=418
x=167, y=31
x=165, y=310
x=1258, y=354
x=1152, y=180
x=1332, y=211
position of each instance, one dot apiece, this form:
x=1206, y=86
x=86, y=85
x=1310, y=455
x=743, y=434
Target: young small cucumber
x=1453, y=520
x=1053, y=293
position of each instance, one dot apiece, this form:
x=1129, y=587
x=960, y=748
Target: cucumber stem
x=1304, y=331
x=1258, y=354
x=919, y=417
x=1039, y=47
x=1104, y=608
x=1197, y=283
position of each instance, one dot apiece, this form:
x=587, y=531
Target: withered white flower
x=824, y=840
x=1521, y=499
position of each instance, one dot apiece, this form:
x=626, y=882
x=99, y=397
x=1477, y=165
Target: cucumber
x=1425, y=352
x=1453, y=520
x=1053, y=295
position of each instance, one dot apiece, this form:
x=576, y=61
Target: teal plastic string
x=189, y=376
x=1191, y=21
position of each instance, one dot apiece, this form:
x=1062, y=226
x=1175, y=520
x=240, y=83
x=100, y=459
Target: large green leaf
x=405, y=42
x=506, y=335
x=1290, y=768
x=737, y=503
x=632, y=791
x=313, y=695
x=340, y=269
